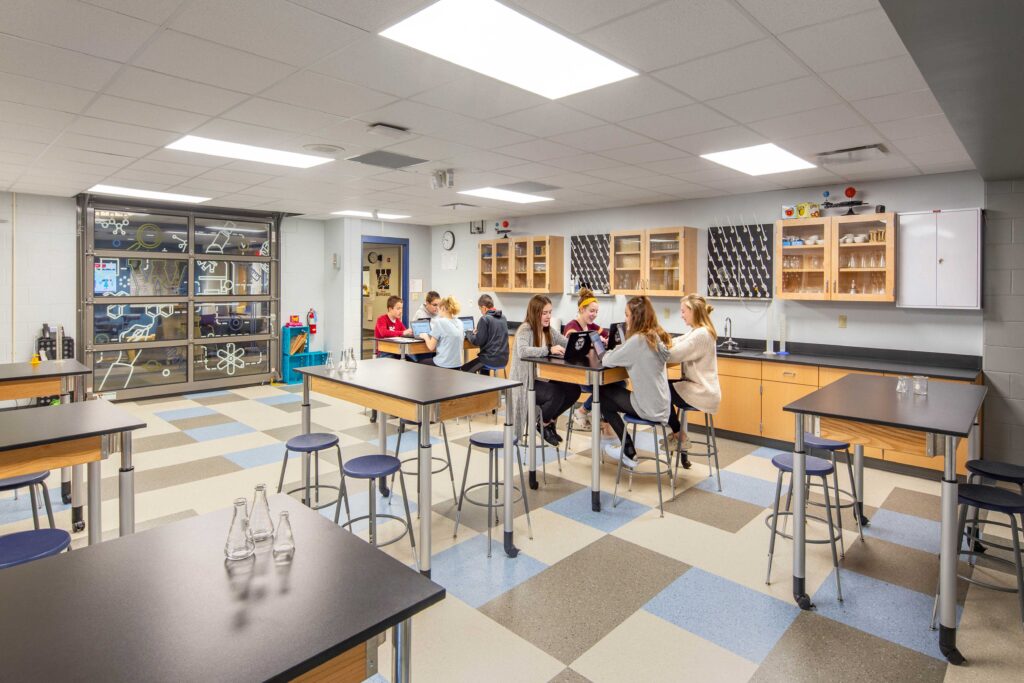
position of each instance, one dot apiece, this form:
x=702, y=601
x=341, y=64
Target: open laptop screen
x=420, y=326
x=467, y=323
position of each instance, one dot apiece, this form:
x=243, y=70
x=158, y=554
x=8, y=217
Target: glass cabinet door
x=664, y=262
x=803, y=258
x=502, y=265
x=627, y=262
x=521, y=262
x=863, y=255
x=540, y=265
x=486, y=265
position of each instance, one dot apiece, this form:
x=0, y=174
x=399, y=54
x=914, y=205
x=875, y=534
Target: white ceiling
x=91, y=91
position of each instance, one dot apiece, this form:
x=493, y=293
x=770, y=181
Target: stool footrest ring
x=381, y=515
x=313, y=488
x=768, y=523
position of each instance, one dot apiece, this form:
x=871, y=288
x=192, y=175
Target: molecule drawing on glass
x=134, y=231
x=740, y=261
x=231, y=359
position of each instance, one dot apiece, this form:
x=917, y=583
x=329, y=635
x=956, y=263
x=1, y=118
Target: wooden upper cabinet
x=836, y=258
x=528, y=264
x=656, y=262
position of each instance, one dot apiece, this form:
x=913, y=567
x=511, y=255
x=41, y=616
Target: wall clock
x=448, y=240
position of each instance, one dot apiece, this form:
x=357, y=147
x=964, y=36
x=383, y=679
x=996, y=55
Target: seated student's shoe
x=629, y=453
x=581, y=420
x=550, y=435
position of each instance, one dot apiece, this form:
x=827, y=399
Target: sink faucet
x=729, y=344
x=728, y=328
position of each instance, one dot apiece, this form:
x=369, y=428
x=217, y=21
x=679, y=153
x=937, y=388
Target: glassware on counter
x=330, y=361
x=350, y=360
x=261, y=527
x=284, y=540
x=239, y=544
x=920, y=385
x=902, y=384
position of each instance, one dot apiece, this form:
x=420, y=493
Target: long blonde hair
x=451, y=305
x=701, y=312
x=644, y=321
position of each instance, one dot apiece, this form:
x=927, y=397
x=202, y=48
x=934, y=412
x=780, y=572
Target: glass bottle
x=260, y=525
x=284, y=540
x=239, y=544
x=329, y=362
x=350, y=359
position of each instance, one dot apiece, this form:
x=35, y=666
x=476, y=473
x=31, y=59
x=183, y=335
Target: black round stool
x=978, y=472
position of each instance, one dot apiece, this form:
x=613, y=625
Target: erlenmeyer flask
x=350, y=359
x=284, y=541
x=260, y=525
x=239, y=544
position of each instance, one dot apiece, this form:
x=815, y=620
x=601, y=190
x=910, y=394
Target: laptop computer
x=616, y=335
x=467, y=323
x=420, y=326
x=584, y=347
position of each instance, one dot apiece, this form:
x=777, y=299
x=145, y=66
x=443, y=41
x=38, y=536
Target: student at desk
x=428, y=310
x=445, y=336
x=390, y=325
x=644, y=356
x=490, y=335
x=536, y=338
x=584, y=321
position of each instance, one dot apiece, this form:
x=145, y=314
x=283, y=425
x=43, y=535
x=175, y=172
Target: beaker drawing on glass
x=261, y=527
x=239, y=544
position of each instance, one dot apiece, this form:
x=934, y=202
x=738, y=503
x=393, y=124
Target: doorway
x=385, y=273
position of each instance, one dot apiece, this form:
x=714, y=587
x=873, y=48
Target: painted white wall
x=869, y=325
x=302, y=272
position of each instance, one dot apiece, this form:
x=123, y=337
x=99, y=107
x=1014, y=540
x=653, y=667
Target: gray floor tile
x=173, y=475
x=914, y=503
x=475, y=517
x=201, y=421
x=898, y=564
x=721, y=512
x=285, y=433
x=161, y=441
x=219, y=399
x=569, y=676
x=296, y=406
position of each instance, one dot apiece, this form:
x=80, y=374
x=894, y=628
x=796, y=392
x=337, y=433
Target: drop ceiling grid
x=295, y=94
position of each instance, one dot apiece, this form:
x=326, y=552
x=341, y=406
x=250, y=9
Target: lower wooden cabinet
x=777, y=423
x=740, y=410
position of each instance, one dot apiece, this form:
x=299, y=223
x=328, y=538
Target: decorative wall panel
x=740, y=261
x=588, y=262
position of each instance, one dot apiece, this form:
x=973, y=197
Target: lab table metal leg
x=401, y=657
x=425, y=492
x=949, y=555
x=126, y=488
x=800, y=517
x=305, y=430
x=95, y=497
x=507, y=451
x=382, y=440
x=595, y=441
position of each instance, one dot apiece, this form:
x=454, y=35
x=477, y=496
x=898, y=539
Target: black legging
x=615, y=400
x=677, y=402
x=554, y=398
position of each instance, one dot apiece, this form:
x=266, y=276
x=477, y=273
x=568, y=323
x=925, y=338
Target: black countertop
x=414, y=382
x=948, y=408
x=855, y=363
x=46, y=368
x=50, y=424
x=590, y=363
x=161, y=605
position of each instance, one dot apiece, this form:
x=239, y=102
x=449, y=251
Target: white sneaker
x=581, y=421
x=629, y=462
x=615, y=453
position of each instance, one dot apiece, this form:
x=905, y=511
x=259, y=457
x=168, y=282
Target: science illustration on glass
x=242, y=278
x=130, y=276
x=142, y=367
x=232, y=238
x=137, y=231
x=232, y=319
x=115, y=323
x=230, y=359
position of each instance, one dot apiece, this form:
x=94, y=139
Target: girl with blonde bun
x=445, y=336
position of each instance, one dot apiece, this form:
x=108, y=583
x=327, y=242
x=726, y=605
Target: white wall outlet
x=842, y=322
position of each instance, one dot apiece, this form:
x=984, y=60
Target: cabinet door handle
x=789, y=373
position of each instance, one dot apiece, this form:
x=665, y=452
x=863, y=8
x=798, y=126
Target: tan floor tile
x=570, y=676
x=555, y=536
x=258, y=415
x=647, y=648
x=722, y=512
x=910, y=502
x=989, y=636
x=451, y=641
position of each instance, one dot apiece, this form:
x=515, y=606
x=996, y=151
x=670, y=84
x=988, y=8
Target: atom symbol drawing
x=117, y=226
x=230, y=358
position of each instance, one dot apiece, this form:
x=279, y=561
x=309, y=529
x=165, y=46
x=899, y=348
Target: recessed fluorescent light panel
x=146, y=194
x=235, y=150
x=369, y=214
x=759, y=160
x=490, y=38
x=506, y=195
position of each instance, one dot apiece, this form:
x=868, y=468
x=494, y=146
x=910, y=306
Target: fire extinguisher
x=311, y=320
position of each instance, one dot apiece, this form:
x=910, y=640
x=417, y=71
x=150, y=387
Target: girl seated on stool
x=536, y=339
x=445, y=336
x=584, y=322
x=643, y=356
x=699, y=388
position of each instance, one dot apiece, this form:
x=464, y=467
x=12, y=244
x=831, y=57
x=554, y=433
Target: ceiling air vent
x=387, y=159
x=460, y=205
x=851, y=155
x=529, y=187
x=388, y=130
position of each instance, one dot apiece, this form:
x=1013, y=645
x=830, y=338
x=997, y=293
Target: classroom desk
x=64, y=378
x=403, y=346
x=45, y=438
x=411, y=391
x=168, y=607
x=945, y=414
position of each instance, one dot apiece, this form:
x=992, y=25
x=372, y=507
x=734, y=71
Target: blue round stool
x=372, y=468
x=492, y=442
x=31, y=481
x=313, y=443
x=636, y=422
x=978, y=472
x=815, y=467
x=26, y=546
x=831, y=446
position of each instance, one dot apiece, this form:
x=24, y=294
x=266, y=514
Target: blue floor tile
x=207, y=394
x=183, y=413
x=735, y=617
x=909, y=530
x=279, y=399
x=264, y=455
x=882, y=609
x=218, y=431
x=577, y=506
x=359, y=503
x=766, y=452
x=742, y=487
x=12, y=510
x=466, y=571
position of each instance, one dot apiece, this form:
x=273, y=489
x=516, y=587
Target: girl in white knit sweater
x=699, y=388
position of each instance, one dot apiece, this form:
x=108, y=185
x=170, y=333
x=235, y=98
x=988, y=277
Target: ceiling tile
x=369, y=15
x=936, y=142
x=626, y=99
x=718, y=140
x=902, y=105
x=388, y=66
x=865, y=37
x=479, y=97
x=323, y=93
x=42, y=94
x=12, y=112
x=232, y=176
x=427, y=148
x=476, y=133
x=60, y=155
x=76, y=26
x=885, y=77
x=248, y=134
x=821, y=120
x=673, y=32
x=569, y=180
x=536, y=150
x=749, y=66
x=579, y=15
x=480, y=160
x=619, y=173
x=915, y=127
x=88, y=142
x=583, y=162
x=638, y=154
x=167, y=167
x=20, y=131
x=178, y=54
x=129, y=111
x=168, y=91
x=122, y=131
x=271, y=114
x=202, y=187
x=792, y=14
x=599, y=138
x=153, y=11
x=801, y=94
x=678, y=122
x=47, y=63
x=809, y=145
x=282, y=31
x=547, y=120
x=683, y=164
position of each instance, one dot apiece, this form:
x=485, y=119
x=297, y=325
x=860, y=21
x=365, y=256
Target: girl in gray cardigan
x=643, y=356
x=535, y=338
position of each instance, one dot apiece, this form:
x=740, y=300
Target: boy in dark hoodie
x=491, y=336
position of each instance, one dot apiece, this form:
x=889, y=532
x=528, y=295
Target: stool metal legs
x=775, y=518
x=447, y=453
x=657, y=468
x=493, y=488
